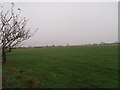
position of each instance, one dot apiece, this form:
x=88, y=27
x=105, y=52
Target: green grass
x=68, y=67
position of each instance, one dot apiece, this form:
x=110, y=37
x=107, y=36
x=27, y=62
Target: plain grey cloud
x=73, y=23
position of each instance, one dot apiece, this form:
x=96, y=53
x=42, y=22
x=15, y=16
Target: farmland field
x=67, y=67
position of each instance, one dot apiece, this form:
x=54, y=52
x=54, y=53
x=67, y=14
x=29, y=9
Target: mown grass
x=67, y=67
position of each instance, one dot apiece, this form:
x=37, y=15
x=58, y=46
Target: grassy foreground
x=67, y=67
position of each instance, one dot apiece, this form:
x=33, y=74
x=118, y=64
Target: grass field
x=67, y=67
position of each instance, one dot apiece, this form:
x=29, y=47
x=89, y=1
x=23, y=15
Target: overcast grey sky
x=71, y=22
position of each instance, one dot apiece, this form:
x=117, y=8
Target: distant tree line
x=68, y=45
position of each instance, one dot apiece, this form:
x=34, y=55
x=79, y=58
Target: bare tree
x=12, y=30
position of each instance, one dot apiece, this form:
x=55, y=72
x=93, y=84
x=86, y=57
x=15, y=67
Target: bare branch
x=12, y=30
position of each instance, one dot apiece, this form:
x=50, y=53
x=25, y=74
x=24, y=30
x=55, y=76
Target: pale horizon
x=74, y=23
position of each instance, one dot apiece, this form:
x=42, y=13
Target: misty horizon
x=70, y=23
